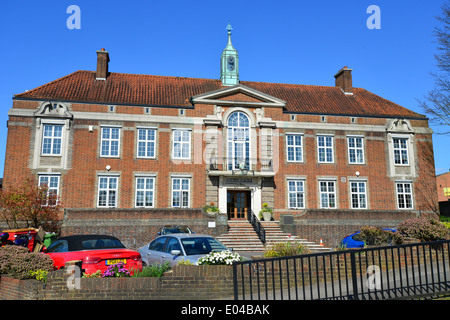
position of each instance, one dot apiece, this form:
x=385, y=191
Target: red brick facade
x=377, y=155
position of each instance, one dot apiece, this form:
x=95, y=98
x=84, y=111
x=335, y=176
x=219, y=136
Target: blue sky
x=301, y=42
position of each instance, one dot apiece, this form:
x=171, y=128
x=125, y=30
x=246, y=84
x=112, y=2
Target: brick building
x=443, y=191
x=327, y=158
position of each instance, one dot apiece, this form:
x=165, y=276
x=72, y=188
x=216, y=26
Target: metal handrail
x=257, y=226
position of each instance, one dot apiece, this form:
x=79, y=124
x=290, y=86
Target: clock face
x=230, y=63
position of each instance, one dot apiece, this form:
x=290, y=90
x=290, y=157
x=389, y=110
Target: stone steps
x=242, y=238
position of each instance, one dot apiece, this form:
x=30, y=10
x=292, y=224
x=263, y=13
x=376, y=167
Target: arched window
x=238, y=138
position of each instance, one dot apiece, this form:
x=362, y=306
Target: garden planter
x=267, y=216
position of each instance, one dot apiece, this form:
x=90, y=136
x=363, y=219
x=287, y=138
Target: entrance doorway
x=238, y=204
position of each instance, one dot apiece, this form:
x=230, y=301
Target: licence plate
x=114, y=261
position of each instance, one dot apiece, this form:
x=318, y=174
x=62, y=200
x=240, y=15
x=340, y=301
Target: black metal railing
x=391, y=272
x=257, y=226
x=240, y=164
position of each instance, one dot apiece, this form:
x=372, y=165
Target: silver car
x=181, y=246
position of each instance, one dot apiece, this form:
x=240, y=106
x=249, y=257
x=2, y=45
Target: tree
x=29, y=205
x=437, y=101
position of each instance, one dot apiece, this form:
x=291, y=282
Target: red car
x=96, y=252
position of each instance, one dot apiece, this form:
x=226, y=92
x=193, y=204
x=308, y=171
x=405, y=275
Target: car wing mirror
x=175, y=252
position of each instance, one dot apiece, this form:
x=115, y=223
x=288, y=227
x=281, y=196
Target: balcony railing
x=240, y=164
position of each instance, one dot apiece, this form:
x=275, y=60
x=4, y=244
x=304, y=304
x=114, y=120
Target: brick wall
x=333, y=225
x=136, y=227
x=181, y=282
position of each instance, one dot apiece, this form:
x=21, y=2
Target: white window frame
x=400, y=149
x=146, y=143
x=146, y=191
x=404, y=195
x=108, y=191
x=52, y=139
x=355, y=148
x=50, y=188
x=294, y=147
x=239, y=141
x=358, y=194
x=329, y=194
x=110, y=141
x=182, y=143
x=299, y=193
x=184, y=194
x=325, y=147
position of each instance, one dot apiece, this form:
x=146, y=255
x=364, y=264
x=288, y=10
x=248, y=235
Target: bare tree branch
x=437, y=101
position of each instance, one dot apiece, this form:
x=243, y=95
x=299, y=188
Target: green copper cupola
x=229, y=63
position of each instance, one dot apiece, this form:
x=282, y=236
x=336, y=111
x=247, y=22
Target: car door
x=155, y=251
x=171, y=244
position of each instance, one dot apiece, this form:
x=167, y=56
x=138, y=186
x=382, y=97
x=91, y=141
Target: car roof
x=74, y=241
x=79, y=237
x=176, y=226
x=186, y=235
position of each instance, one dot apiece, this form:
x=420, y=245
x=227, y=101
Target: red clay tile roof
x=150, y=90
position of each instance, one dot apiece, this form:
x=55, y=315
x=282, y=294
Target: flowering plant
x=211, y=207
x=96, y=274
x=219, y=258
x=116, y=270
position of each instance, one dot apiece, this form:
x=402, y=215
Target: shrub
x=211, y=208
x=19, y=263
x=425, y=229
x=156, y=270
x=40, y=275
x=96, y=274
x=220, y=258
x=376, y=236
x=265, y=208
x=184, y=263
x=285, y=249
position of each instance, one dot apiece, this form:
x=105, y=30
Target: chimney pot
x=102, y=64
x=343, y=79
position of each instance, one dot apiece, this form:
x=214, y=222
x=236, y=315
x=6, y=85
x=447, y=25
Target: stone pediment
x=400, y=126
x=238, y=95
x=53, y=110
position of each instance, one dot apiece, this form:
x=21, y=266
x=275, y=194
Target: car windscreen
x=201, y=245
x=176, y=230
x=59, y=246
x=88, y=243
x=106, y=243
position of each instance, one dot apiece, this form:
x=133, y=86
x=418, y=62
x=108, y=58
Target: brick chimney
x=344, y=80
x=102, y=64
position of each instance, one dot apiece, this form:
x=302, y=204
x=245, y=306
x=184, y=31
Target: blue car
x=349, y=242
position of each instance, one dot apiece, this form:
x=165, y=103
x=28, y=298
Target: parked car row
x=97, y=252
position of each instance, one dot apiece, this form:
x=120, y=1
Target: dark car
x=174, y=229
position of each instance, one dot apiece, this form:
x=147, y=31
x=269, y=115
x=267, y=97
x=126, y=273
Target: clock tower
x=229, y=63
